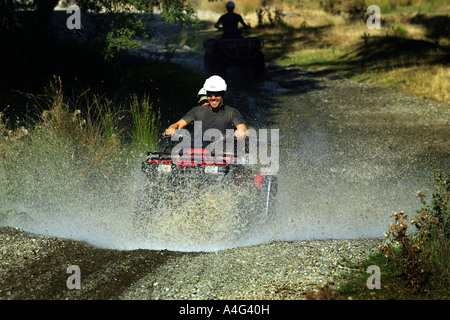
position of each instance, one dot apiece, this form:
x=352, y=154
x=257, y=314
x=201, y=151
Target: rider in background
x=230, y=22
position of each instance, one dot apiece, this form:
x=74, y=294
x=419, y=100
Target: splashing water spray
x=326, y=189
x=49, y=187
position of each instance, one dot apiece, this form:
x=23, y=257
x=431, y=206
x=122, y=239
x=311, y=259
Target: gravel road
x=33, y=267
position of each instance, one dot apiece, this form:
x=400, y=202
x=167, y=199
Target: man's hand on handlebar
x=239, y=133
x=170, y=131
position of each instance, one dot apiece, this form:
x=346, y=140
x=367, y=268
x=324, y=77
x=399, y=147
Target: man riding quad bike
x=200, y=194
x=205, y=189
x=232, y=49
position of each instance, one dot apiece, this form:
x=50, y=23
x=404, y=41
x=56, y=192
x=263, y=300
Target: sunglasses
x=214, y=93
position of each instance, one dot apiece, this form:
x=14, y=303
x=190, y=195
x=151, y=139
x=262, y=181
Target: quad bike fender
x=269, y=182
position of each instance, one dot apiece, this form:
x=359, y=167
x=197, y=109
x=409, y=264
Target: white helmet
x=229, y=4
x=202, y=92
x=215, y=83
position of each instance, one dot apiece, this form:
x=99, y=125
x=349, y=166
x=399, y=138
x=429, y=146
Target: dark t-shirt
x=226, y=118
x=230, y=23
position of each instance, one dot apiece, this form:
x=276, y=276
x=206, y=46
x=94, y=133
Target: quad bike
x=202, y=196
x=223, y=53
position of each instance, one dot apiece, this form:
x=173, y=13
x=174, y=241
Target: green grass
x=146, y=125
x=393, y=283
x=92, y=131
x=73, y=121
x=392, y=286
x=317, y=57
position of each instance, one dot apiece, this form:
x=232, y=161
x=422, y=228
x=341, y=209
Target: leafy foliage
x=122, y=23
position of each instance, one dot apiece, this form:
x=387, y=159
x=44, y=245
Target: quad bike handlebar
x=248, y=26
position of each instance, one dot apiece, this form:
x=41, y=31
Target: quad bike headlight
x=165, y=168
x=216, y=169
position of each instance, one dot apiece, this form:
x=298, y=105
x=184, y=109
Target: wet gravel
x=274, y=270
x=34, y=267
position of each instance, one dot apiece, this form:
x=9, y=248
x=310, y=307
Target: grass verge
x=72, y=148
x=413, y=265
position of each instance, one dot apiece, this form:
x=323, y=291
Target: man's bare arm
x=180, y=124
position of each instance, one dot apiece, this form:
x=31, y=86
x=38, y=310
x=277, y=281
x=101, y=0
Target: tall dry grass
x=88, y=123
x=88, y=129
x=243, y=7
x=324, y=40
x=311, y=36
x=74, y=146
x=425, y=81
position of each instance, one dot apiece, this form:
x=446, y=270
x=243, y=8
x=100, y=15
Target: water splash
x=321, y=195
x=329, y=186
x=54, y=196
x=341, y=184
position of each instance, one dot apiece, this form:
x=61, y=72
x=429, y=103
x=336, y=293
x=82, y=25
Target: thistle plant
x=423, y=256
